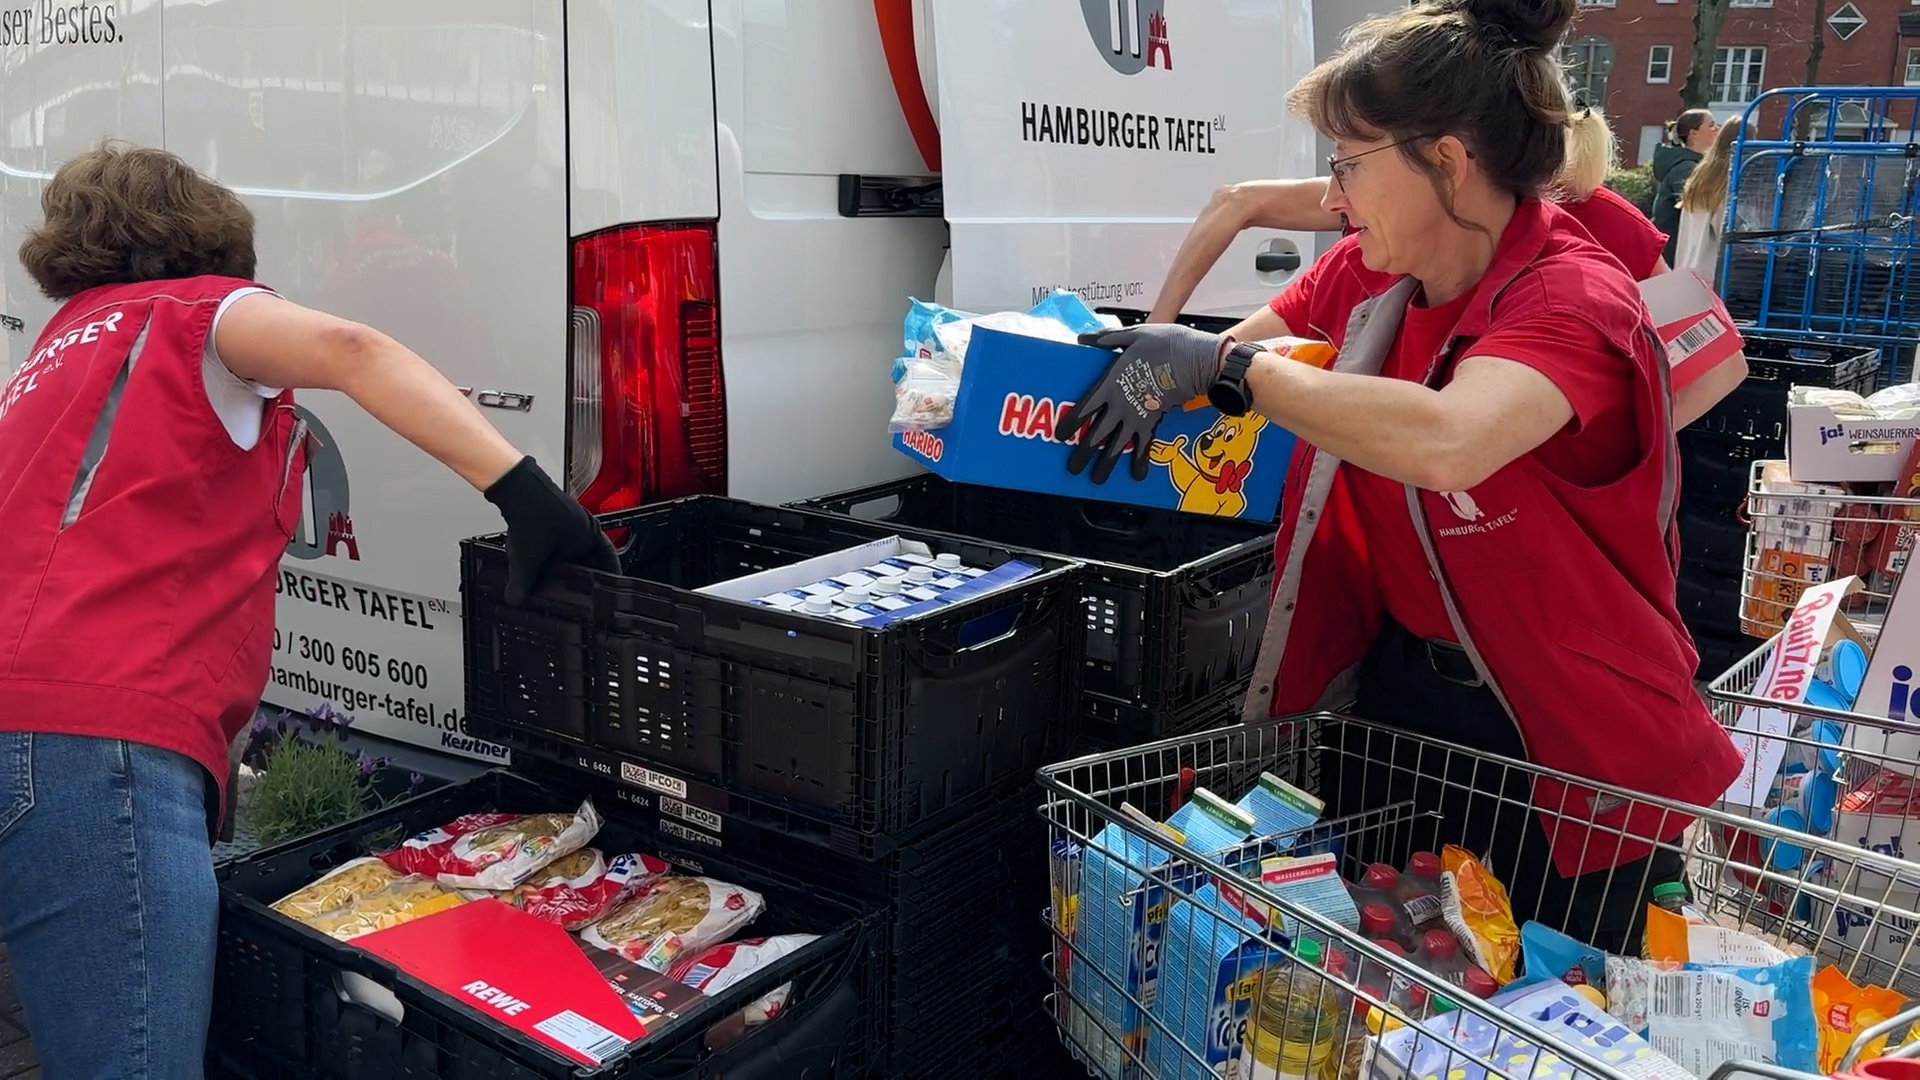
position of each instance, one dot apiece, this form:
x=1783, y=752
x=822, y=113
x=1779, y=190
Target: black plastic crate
x=280, y=1013
x=1716, y=468
x=1174, y=602
x=855, y=736
x=1758, y=406
x=959, y=930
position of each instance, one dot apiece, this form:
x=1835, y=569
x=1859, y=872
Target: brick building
x=1633, y=55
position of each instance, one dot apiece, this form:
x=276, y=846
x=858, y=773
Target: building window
x=1737, y=73
x=1596, y=3
x=1913, y=64
x=1588, y=61
x=1847, y=21
x=1750, y=3
x=1660, y=64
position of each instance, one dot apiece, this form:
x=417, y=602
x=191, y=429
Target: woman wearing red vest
x=150, y=479
x=1477, y=540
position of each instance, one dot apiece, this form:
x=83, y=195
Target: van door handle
x=499, y=399
x=1276, y=262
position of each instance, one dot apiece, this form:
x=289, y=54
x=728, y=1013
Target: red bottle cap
x=1381, y=876
x=1376, y=920
x=1373, y=991
x=1393, y=947
x=1337, y=962
x=1424, y=864
x=1480, y=984
x=1440, y=944
x=1416, y=997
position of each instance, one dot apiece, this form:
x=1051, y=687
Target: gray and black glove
x=1162, y=366
x=545, y=526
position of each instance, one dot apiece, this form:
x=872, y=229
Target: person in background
x=1703, y=207
x=1689, y=136
x=1580, y=189
x=151, y=471
x=1480, y=504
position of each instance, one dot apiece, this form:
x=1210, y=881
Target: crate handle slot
x=1130, y=523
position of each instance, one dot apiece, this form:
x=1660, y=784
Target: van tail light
x=649, y=415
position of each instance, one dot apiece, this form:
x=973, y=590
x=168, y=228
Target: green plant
x=1634, y=185
x=305, y=780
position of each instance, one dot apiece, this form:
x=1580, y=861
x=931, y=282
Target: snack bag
x=1845, y=1010
x=576, y=890
x=494, y=852
x=405, y=900
x=337, y=888
x=1681, y=940
x=672, y=916
x=714, y=970
x=1704, y=1016
x=1548, y=952
x=1475, y=907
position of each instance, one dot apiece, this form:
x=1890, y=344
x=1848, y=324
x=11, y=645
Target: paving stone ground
x=16, y=1054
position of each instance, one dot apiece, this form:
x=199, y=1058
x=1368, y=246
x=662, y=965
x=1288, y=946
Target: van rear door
x=407, y=166
x=1078, y=141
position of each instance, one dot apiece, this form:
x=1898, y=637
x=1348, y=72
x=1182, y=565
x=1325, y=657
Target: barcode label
x=1695, y=337
x=1671, y=995
x=1423, y=909
x=692, y=815
x=581, y=1035
x=658, y=781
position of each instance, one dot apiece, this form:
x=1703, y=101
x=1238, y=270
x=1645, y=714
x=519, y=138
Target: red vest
x=1562, y=595
x=140, y=544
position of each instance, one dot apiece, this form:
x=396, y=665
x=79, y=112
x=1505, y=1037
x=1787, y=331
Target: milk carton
x=1882, y=816
x=1214, y=957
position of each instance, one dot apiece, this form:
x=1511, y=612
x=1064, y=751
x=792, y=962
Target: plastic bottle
x=1440, y=953
x=1418, y=890
x=1292, y=1027
x=1671, y=896
x=1381, y=922
x=1380, y=884
x=1410, y=997
x=1348, y=1060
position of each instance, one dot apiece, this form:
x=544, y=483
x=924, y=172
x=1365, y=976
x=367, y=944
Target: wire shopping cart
x=1872, y=1038
x=1803, y=534
x=1168, y=954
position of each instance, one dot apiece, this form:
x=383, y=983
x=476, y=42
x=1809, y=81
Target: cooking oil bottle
x=1295, y=1021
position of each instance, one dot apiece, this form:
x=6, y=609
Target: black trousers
x=1419, y=797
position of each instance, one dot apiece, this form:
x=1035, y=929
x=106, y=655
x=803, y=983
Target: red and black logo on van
x=1130, y=34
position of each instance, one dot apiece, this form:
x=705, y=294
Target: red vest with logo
x=140, y=544
x=1562, y=595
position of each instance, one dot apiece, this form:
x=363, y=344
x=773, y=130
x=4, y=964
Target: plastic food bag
x=494, y=852
x=1704, y=1016
x=576, y=890
x=923, y=395
x=672, y=916
x=1475, y=907
x=405, y=900
x=711, y=972
x=1550, y=953
x=1845, y=1010
x=337, y=888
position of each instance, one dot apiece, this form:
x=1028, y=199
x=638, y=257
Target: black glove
x=1165, y=365
x=544, y=526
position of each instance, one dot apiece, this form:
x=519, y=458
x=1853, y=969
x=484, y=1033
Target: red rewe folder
x=535, y=978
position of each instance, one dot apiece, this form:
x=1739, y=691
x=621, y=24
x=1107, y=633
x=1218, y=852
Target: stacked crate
x=1717, y=454
x=891, y=767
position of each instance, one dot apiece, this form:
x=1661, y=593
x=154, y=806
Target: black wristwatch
x=1229, y=391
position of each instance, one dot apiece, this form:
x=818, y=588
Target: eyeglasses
x=1341, y=167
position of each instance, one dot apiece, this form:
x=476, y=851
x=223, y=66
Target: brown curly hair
x=121, y=213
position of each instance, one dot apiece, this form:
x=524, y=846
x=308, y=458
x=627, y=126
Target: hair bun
x=1536, y=25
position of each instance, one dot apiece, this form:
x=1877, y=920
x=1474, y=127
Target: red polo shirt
x=1596, y=446
x=1620, y=227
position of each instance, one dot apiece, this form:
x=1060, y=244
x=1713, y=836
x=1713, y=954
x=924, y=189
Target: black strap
x=1891, y=221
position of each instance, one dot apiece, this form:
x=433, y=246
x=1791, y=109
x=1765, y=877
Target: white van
x=665, y=244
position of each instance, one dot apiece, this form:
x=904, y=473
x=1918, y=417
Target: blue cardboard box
x=1013, y=389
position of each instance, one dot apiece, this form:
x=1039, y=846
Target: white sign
x=1079, y=140
x=326, y=647
x=1759, y=732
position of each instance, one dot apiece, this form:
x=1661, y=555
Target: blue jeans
x=108, y=905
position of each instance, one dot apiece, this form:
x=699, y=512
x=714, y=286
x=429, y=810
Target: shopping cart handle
x=1730, y=1070
x=1877, y=1032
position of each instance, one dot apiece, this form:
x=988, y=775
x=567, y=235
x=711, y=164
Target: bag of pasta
x=672, y=916
x=494, y=852
x=578, y=889
x=405, y=900
x=337, y=888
